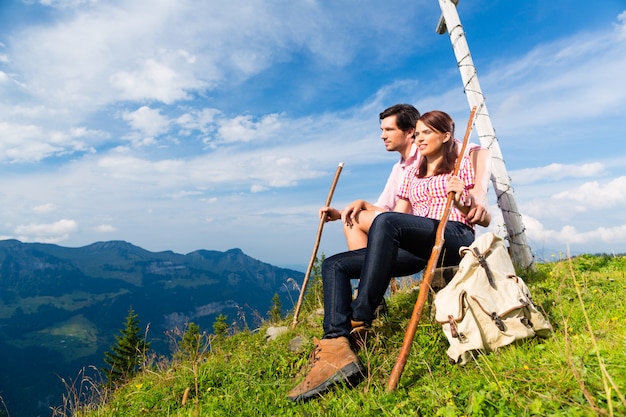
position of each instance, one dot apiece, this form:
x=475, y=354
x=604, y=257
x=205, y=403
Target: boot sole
x=351, y=373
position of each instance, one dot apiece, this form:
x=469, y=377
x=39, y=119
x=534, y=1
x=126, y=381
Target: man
x=397, y=125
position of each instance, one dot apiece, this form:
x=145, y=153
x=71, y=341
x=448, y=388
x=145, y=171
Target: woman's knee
x=382, y=221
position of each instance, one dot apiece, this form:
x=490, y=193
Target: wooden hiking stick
x=317, y=245
x=428, y=273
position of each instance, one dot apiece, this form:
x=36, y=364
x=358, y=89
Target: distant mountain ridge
x=61, y=307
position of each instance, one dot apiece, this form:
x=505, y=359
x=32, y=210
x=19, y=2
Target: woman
x=399, y=244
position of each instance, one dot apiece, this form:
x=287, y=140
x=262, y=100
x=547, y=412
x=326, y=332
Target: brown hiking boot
x=333, y=362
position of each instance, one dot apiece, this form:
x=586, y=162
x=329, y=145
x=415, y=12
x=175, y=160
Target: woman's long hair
x=440, y=122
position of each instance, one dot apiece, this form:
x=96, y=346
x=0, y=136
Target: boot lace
x=314, y=356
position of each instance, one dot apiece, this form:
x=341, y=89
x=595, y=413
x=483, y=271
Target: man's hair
x=406, y=115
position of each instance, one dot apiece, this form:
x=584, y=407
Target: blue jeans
x=398, y=245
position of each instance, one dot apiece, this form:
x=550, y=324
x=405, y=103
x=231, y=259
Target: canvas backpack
x=486, y=305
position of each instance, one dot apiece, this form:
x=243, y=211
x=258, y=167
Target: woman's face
x=429, y=141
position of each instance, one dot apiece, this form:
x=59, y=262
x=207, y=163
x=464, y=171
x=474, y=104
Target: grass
x=75, y=300
x=580, y=371
x=72, y=339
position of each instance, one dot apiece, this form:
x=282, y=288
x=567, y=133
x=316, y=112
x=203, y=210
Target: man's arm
x=386, y=201
x=350, y=214
x=479, y=208
x=330, y=214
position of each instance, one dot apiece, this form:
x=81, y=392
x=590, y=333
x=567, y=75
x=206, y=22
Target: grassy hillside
x=580, y=371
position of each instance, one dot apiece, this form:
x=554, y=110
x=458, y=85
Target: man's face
x=395, y=139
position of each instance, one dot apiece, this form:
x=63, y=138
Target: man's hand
x=329, y=214
x=479, y=205
x=478, y=212
x=350, y=213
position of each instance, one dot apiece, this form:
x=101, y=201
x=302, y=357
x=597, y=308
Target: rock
x=273, y=332
x=295, y=344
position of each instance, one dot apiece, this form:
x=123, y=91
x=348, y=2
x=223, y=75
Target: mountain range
x=60, y=307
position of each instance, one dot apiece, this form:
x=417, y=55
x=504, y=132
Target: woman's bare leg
x=356, y=235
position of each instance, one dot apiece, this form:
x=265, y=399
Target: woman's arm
x=403, y=206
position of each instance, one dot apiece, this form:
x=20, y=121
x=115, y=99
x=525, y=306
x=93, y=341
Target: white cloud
x=93, y=57
x=45, y=208
x=558, y=84
x=105, y=228
x=23, y=143
x=184, y=194
x=620, y=27
x=148, y=122
x=556, y=172
x=137, y=47
x=202, y=120
x=30, y=143
x=65, y=4
x=61, y=226
x=613, y=237
x=47, y=232
x=597, y=195
x=135, y=169
x=155, y=81
x=245, y=129
x=258, y=188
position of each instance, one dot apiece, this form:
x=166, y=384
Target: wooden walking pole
x=428, y=273
x=317, y=245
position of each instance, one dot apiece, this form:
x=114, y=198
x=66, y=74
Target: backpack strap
x=483, y=263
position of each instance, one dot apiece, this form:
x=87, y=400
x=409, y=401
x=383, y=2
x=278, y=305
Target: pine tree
x=193, y=343
x=275, y=313
x=220, y=327
x=314, y=294
x=126, y=356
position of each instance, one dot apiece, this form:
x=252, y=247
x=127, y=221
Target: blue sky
x=183, y=125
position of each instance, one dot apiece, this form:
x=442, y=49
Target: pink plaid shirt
x=428, y=195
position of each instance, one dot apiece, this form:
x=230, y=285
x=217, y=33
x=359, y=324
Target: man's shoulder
x=413, y=158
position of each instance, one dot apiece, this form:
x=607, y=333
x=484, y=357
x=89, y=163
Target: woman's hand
x=457, y=186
